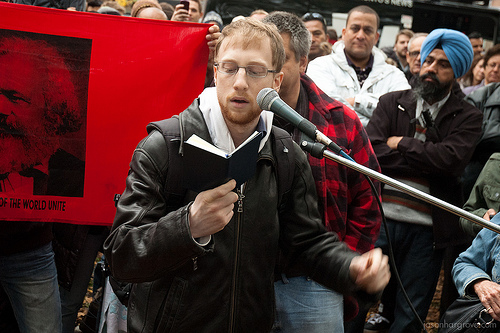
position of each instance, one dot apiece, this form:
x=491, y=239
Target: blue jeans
x=418, y=264
x=303, y=305
x=30, y=281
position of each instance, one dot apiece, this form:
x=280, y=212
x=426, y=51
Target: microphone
x=268, y=99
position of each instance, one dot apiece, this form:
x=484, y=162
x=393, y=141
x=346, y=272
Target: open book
x=205, y=166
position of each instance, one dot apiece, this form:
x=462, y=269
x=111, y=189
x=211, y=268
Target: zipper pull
x=240, y=201
x=195, y=263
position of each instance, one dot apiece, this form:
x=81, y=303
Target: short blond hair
x=247, y=30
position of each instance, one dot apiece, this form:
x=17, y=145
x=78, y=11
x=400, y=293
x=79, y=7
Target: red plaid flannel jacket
x=345, y=197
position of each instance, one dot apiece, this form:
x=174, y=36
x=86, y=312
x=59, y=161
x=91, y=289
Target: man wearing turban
x=423, y=137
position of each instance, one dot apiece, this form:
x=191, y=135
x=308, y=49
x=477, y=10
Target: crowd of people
x=300, y=246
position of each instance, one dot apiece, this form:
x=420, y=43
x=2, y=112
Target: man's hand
x=489, y=294
x=350, y=100
x=180, y=14
x=393, y=142
x=370, y=271
x=212, y=210
x=212, y=36
x=489, y=212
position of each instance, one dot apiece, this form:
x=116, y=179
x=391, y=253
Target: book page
x=250, y=138
x=196, y=141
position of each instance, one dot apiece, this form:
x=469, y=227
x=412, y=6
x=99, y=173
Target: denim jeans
x=30, y=281
x=303, y=305
x=418, y=264
x=480, y=261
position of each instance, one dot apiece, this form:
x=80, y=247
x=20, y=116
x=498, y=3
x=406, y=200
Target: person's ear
x=303, y=64
x=278, y=78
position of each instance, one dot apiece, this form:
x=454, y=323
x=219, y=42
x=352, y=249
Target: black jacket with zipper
x=227, y=285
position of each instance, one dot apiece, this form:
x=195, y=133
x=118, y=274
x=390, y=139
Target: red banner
x=76, y=93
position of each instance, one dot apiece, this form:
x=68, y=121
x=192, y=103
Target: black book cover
x=206, y=166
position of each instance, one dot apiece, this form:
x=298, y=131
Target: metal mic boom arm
x=407, y=189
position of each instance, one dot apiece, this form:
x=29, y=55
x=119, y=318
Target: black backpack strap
x=284, y=153
x=173, y=191
x=171, y=129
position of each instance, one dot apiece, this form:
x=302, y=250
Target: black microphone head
x=266, y=97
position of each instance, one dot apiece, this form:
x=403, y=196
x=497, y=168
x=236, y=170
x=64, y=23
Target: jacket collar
x=319, y=102
x=341, y=59
x=492, y=96
x=368, y=67
x=407, y=103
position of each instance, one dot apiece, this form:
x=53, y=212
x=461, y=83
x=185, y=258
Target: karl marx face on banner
x=37, y=103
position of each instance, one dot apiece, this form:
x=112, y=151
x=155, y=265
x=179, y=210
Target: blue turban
x=455, y=45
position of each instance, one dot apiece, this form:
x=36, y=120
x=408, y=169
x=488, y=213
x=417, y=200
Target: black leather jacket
x=226, y=286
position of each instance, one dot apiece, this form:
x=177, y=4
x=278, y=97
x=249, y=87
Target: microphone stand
x=319, y=150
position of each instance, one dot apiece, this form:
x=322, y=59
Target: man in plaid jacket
x=345, y=199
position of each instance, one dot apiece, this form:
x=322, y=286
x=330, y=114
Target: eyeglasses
x=231, y=68
x=414, y=54
x=314, y=16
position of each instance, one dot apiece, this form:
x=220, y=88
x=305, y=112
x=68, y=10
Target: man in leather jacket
x=207, y=264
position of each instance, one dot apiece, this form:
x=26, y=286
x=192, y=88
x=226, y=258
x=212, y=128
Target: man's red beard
x=239, y=118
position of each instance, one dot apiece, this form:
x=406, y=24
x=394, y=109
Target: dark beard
x=19, y=154
x=431, y=92
x=24, y=145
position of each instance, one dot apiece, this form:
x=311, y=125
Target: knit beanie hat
x=212, y=16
